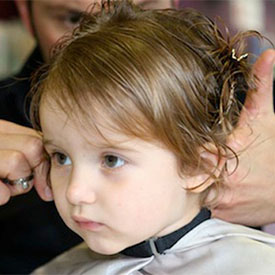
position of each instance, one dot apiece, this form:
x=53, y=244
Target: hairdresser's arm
x=249, y=196
x=21, y=152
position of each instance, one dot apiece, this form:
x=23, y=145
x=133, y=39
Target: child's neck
x=156, y=246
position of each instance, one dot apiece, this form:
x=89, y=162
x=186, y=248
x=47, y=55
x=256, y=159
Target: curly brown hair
x=161, y=75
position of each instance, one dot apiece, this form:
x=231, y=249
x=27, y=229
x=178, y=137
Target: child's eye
x=111, y=161
x=61, y=159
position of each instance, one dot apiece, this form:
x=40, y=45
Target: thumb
x=41, y=181
x=261, y=101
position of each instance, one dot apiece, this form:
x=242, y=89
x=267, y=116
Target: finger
x=221, y=214
x=261, y=101
x=30, y=146
x=220, y=198
x=16, y=189
x=242, y=137
x=5, y=194
x=41, y=181
x=8, y=127
x=13, y=167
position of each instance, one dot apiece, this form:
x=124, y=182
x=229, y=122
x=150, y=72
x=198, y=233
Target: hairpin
x=230, y=102
x=231, y=97
x=238, y=58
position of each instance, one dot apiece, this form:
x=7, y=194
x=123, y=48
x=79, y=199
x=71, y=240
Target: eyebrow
x=113, y=146
x=62, y=8
x=145, y=3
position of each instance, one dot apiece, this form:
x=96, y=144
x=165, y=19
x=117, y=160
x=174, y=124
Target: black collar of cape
x=154, y=246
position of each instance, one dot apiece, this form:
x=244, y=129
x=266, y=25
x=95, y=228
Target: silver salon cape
x=214, y=247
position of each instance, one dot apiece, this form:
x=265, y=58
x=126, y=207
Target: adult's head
x=48, y=20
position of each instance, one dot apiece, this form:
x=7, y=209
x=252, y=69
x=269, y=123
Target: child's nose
x=80, y=190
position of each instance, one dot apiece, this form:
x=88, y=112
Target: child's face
x=113, y=196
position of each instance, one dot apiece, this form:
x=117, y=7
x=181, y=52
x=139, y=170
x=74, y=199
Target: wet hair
x=169, y=76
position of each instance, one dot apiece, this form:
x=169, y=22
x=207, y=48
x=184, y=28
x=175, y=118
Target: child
x=135, y=110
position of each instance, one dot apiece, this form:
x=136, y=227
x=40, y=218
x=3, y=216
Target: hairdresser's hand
x=249, y=195
x=21, y=153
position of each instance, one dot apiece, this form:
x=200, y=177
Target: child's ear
x=214, y=163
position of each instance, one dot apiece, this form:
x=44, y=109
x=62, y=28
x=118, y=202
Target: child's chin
x=103, y=250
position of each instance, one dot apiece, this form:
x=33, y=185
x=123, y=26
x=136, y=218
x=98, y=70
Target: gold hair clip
x=238, y=58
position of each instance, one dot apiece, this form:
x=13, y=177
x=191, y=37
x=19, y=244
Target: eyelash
x=53, y=158
x=112, y=168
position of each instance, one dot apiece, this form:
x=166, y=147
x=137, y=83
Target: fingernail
x=48, y=192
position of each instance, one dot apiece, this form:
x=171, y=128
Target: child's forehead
x=98, y=135
x=97, y=128
x=97, y=112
